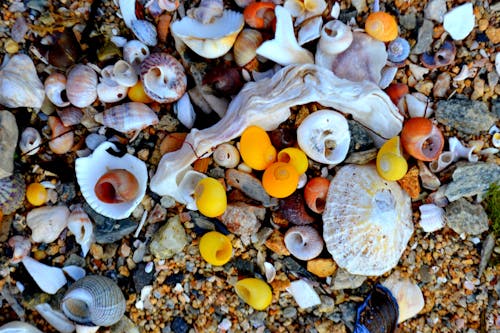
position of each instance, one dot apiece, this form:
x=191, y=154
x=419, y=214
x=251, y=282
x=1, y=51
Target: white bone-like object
x=267, y=103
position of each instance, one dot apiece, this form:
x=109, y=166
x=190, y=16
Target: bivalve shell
x=94, y=301
x=55, y=85
x=408, y=295
x=12, y=190
x=128, y=117
x=378, y=313
x=81, y=86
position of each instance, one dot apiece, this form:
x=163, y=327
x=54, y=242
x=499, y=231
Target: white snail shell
x=304, y=242
x=55, y=85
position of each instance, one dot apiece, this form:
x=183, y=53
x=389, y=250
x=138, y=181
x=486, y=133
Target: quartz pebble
x=459, y=21
x=464, y=115
x=466, y=218
x=472, y=179
x=243, y=219
x=169, y=240
x=345, y=280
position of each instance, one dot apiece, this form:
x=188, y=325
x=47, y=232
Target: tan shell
x=128, y=117
x=367, y=221
x=245, y=47
x=81, y=86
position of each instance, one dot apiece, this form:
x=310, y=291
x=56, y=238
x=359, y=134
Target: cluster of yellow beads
x=36, y=194
x=210, y=197
x=391, y=165
x=215, y=248
x=256, y=149
x=254, y=292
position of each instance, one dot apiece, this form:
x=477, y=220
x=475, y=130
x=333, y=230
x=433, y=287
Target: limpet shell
x=12, y=190
x=90, y=169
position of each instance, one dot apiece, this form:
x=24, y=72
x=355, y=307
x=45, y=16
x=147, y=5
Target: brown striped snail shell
x=70, y=116
x=127, y=117
x=81, y=86
x=94, y=301
x=245, y=46
x=12, y=190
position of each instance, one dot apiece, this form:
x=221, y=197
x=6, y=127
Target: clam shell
x=367, y=220
x=90, y=169
x=30, y=141
x=163, y=78
x=209, y=40
x=324, y=136
x=408, y=295
x=378, y=313
x=431, y=217
x=134, y=52
x=145, y=31
x=128, y=117
x=94, y=301
x=12, y=190
x=81, y=86
x=55, y=85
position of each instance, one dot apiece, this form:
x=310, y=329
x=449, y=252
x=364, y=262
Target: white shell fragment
x=49, y=279
x=46, y=223
x=367, y=220
x=324, y=136
x=124, y=74
x=304, y=294
x=431, y=217
x=459, y=21
x=55, y=318
x=74, y=272
x=81, y=226
x=408, y=295
x=90, y=169
x=19, y=327
x=310, y=31
x=210, y=40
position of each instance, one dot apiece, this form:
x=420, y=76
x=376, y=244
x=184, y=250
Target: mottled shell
x=127, y=117
x=12, y=190
x=70, y=116
x=94, y=301
x=81, y=86
x=367, y=221
x=163, y=78
x=245, y=46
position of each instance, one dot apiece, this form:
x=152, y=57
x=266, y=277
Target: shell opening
x=76, y=305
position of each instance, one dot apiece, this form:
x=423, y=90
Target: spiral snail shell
x=94, y=300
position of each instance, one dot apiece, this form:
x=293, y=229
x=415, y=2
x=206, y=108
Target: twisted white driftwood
x=267, y=103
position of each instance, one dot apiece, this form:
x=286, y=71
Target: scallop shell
x=128, y=117
x=367, y=221
x=94, y=301
x=30, y=141
x=431, y=217
x=55, y=85
x=12, y=190
x=134, y=52
x=81, y=86
x=90, y=169
x=209, y=40
x=324, y=136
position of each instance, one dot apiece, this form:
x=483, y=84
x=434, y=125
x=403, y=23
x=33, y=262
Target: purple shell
x=443, y=57
x=398, y=50
x=378, y=313
x=12, y=190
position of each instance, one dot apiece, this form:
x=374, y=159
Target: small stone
x=493, y=35
x=345, y=280
x=169, y=240
x=360, y=139
x=409, y=20
x=435, y=10
x=424, y=87
x=141, y=278
x=442, y=85
x=8, y=142
x=483, y=24
x=472, y=179
x=410, y=183
x=276, y=243
x=322, y=267
x=466, y=116
x=243, y=219
x=459, y=21
x=11, y=47
x=424, y=38
x=466, y=218
x=179, y=325
x=327, y=304
x=488, y=245
x=96, y=251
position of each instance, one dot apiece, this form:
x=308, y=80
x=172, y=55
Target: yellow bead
x=391, y=165
x=210, y=197
x=295, y=157
x=280, y=180
x=254, y=292
x=136, y=94
x=36, y=194
x=215, y=248
x=256, y=149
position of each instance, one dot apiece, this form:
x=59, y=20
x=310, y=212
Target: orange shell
x=36, y=194
x=260, y=15
x=382, y=26
x=315, y=193
x=117, y=186
x=422, y=139
x=280, y=180
x=396, y=91
x=256, y=149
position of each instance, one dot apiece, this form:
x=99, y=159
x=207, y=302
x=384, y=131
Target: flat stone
x=435, y=10
x=8, y=142
x=141, y=278
x=464, y=115
x=424, y=38
x=466, y=218
x=472, y=179
x=409, y=20
x=170, y=239
x=486, y=252
x=360, y=139
x=108, y=230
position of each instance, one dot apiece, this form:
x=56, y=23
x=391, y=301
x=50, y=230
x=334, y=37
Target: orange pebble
x=136, y=94
x=382, y=26
x=280, y=180
x=36, y=194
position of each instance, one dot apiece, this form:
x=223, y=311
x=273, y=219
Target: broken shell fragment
x=184, y=110
x=304, y=294
x=19, y=327
x=459, y=22
x=81, y=226
x=124, y=74
x=303, y=242
x=134, y=53
x=245, y=46
x=207, y=11
x=128, y=117
x=49, y=279
x=443, y=57
x=12, y=190
x=21, y=248
x=145, y=31
x=90, y=169
x=422, y=139
x=324, y=136
x=55, y=86
x=408, y=295
x=46, y=223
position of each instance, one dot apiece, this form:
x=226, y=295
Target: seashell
x=324, y=136
x=185, y=111
x=111, y=93
x=62, y=138
x=187, y=187
x=310, y=30
x=396, y=91
x=90, y=169
x=367, y=220
x=124, y=74
x=19, y=327
x=127, y=10
x=226, y=155
x=224, y=80
x=304, y=242
x=408, y=295
x=12, y=190
x=422, y=139
x=391, y=164
x=46, y=223
x=280, y=179
x=294, y=156
x=381, y=26
x=70, y=116
x=443, y=57
x=431, y=217
x=249, y=185
x=55, y=318
x=145, y=31
x=30, y=141
x=459, y=151
x=137, y=94
x=55, y=86
x=21, y=248
x=335, y=38
x=172, y=142
x=168, y=5
x=459, y=22
x=81, y=226
x=284, y=49
x=269, y=272
x=74, y=272
x=207, y=11
x=293, y=209
x=427, y=178
x=134, y=53
x=20, y=85
x=378, y=313
x=303, y=293
x=163, y=78
x=94, y=301
x=116, y=186
x=398, y=50
x=243, y=3
x=415, y=106
x=444, y=160
x=387, y=75
x=36, y=194
x=128, y=117
x=93, y=140
x=254, y=292
x=209, y=40
x=163, y=27
x=89, y=329
x=260, y=15
x=81, y=86
x=305, y=10
x=215, y=248
x=107, y=76
x=49, y=279
x=256, y=149
x=495, y=140
x=315, y=193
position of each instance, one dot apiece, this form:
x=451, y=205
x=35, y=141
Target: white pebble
x=459, y=21
x=149, y=267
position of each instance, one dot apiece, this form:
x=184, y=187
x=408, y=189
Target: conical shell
x=95, y=301
x=81, y=86
x=12, y=190
x=367, y=221
x=128, y=117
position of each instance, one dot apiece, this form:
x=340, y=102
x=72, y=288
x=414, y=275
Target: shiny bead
x=210, y=197
x=215, y=248
x=391, y=165
x=295, y=157
x=254, y=292
x=136, y=93
x=36, y=194
x=280, y=180
x=256, y=148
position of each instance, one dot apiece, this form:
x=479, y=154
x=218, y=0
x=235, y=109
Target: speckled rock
x=8, y=142
x=243, y=219
x=466, y=218
x=466, y=116
x=472, y=179
x=435, y=10
x=169, y=240
x=360, y=140
x=424, y=37
x=409, y=20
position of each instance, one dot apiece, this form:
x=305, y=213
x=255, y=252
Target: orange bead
x=280, y=180
x=36, y=194
x=256, y=149
x=260, y=15
x=315, y=193
x=381, y=26
x=422, y=139
x=136, y=94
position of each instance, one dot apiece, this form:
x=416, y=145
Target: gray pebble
x=289, y=312
x=466, y=218
x=8, y=142
x=424, y=38
x=360, y=140
x=471, y=179
x=435, y=10
x=408, y=21
x=464, y=115
x=486, y=253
